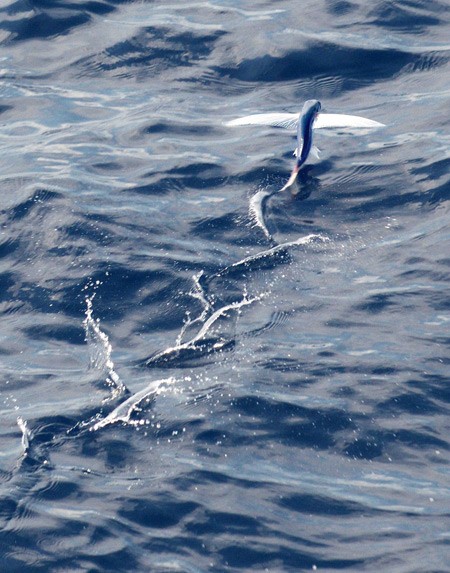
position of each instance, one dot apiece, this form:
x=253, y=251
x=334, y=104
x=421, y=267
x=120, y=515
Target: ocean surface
x=200, y=373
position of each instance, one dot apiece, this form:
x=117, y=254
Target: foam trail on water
x=124, y=411
x=100, y=351
x=220, y=312
x=256, y=211
x=199, y=294
x=273, y=251
x=205, y=328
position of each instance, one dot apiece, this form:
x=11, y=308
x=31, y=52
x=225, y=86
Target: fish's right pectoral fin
x=336, y=120
x=315, y=152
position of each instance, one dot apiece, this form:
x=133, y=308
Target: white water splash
x=100, y=350
x=198, y=293
x=274, y=250
x=205, y=328
x=256, y=211
x=124, y=411
x=26, y=434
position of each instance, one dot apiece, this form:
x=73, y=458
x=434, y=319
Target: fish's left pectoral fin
x=339, y=120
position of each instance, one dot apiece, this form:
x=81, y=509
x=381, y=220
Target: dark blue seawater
x=199, y=373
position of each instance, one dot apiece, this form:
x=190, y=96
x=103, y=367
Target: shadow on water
x=306, y=184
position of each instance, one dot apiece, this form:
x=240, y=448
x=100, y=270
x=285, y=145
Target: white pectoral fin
x=340, y=120
x=287, y=120
x=315, y=152
x=290, y=120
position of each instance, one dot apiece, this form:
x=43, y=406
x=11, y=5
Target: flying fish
x=309, y=118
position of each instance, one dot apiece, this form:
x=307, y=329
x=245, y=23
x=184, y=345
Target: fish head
x=310, y=109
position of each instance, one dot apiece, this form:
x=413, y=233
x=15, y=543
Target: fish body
x=310, y=110
x=305, y=130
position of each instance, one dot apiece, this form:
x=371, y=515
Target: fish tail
x=292, y=178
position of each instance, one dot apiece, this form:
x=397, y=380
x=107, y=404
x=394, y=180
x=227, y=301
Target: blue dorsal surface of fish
x=310, y=118
x=310, y=110
x=304, y=130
